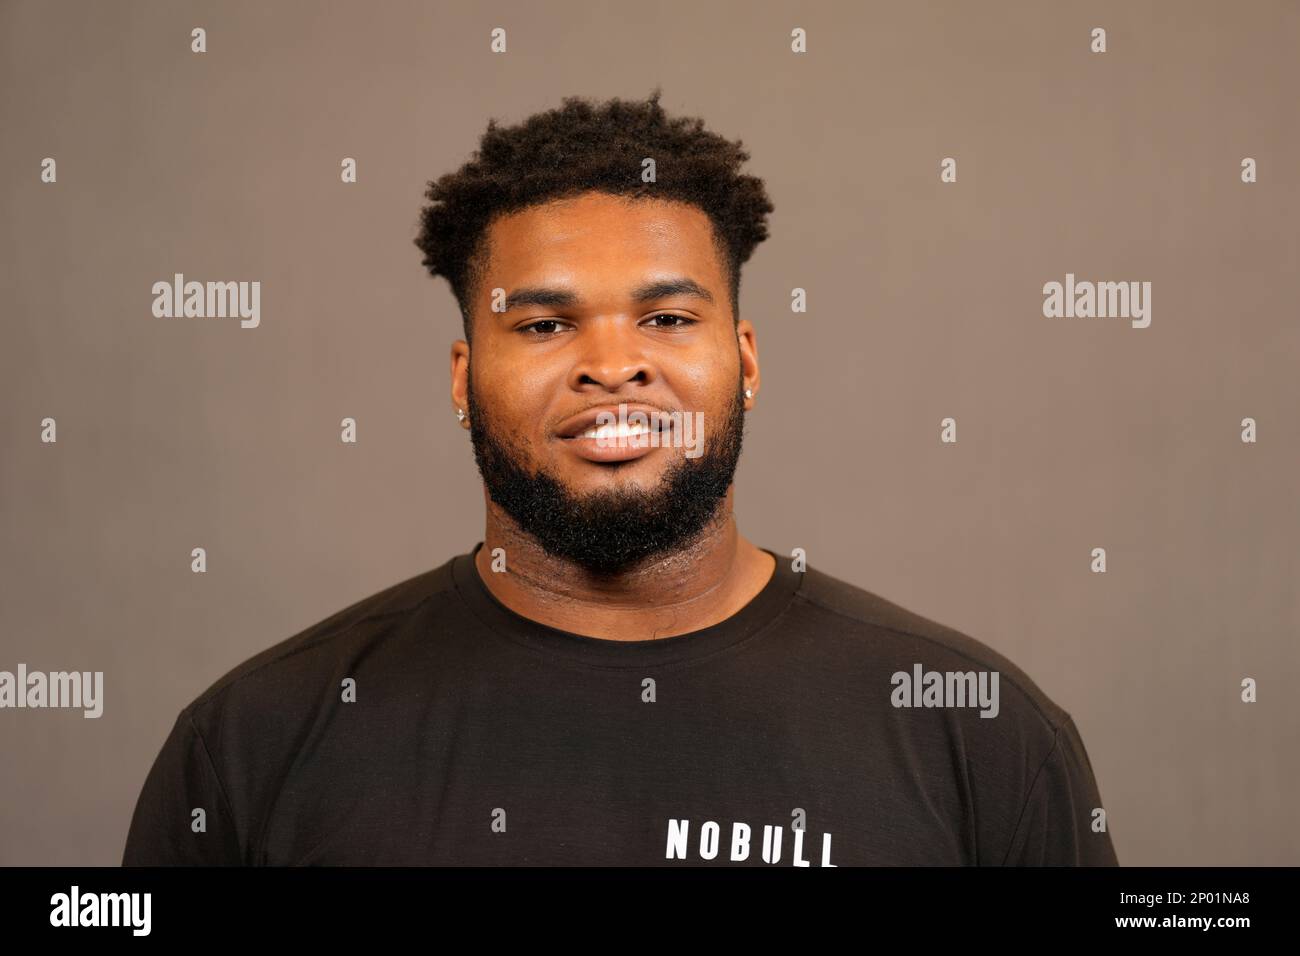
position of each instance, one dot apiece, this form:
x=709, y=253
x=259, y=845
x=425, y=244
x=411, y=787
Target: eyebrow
x=659, y=289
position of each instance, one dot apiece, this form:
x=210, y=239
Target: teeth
x=620, y=430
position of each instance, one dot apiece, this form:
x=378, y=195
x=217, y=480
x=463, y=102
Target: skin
x=606, y=349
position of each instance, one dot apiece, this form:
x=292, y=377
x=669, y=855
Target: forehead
x=596, y=233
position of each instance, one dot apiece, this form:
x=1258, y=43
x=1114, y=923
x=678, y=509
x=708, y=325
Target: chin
x=594, y=477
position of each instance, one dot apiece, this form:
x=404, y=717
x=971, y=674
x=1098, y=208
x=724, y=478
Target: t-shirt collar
x=751, y=620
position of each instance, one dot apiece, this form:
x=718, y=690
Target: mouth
x=581, y=425
x=618, y=441
x=618, y=431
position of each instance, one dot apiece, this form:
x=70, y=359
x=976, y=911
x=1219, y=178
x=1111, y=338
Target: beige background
x=925, y=302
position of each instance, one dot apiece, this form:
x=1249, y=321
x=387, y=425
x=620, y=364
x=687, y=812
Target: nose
x=610, y=355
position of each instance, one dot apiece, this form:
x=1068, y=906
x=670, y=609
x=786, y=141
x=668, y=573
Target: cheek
x=517, y=400
x=707, y=386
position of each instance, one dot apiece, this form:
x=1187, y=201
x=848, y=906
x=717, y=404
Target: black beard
x=613, y=530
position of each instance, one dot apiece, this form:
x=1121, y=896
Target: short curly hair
x=580, y=147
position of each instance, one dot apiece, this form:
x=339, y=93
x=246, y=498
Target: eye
x=540, y=329
x=676, y=318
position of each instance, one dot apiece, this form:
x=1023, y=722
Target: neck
x=700, y=585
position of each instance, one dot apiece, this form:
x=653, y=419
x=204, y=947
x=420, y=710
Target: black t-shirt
x=428, y=724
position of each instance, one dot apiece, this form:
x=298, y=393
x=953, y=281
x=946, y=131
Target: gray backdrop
x=925, y=301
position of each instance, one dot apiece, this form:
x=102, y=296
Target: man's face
x=585, y=329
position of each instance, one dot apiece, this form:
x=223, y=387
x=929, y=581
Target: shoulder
x=330, y=646
x=891, y=635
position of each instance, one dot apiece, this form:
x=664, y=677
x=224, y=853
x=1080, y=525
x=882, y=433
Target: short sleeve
x=165, y=829
x=1060, y=824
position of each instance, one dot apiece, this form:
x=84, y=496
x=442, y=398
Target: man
x=615, y=675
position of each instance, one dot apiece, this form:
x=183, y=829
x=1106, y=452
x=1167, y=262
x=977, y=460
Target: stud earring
x=460, y=414
x=749, y=393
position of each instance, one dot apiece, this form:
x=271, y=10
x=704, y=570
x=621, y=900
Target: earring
x=460, y=414
x=749, y=393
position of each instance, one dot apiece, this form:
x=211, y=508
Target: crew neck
x=764, y=608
